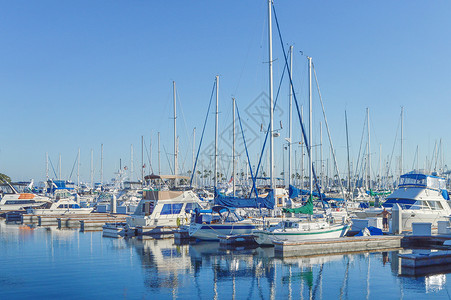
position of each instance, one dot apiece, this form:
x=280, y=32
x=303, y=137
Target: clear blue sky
x=76, y=74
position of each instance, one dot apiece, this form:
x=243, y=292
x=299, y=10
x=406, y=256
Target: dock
x=85, y=222
x=335, y=246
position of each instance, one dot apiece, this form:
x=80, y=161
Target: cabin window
x=176, y=208
x=435, y=205
x=170, y=209
x=404, y=203
x=61, y=206
x=20, y=202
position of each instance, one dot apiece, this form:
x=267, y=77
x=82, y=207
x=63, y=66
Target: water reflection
x=162, y=269
x=208, y=270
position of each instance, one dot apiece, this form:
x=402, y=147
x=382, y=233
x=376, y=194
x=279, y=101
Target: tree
x=4, y=178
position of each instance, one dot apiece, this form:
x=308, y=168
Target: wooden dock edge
x=334, y=246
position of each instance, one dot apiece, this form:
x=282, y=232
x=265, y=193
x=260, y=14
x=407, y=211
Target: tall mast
x=380, y=166
x=175, y=133
x=302, y=151
x=47, y=165
x=233, y=147
x=131, y=162
x=150, y=153
x=216, y=132
x=92, y=169
x=59, y=168
x=101, y=164
x=310, y=125
x=290, y=132
x=349, y=161
x=159, y=165
x=194, y=144
x=78, y=169
x=400, y=166
x=321, y=153
x=142, y=159
x=369, y=147
x=271, y=104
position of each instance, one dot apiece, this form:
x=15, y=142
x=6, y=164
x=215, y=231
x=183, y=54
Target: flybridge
x=422, y=180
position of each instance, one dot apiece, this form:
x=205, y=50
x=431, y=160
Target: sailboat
x=301, y=229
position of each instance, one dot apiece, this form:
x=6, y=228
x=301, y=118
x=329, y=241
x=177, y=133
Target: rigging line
x=73, y=167
x=254, y=187
x=297, y=108
x=328, y=134
x=415, y=158
x=393, y=149
x=51, y=164
x=360, y=150
x=148, y=157
x=202, y=136
x=170, y=167
x=190, y=143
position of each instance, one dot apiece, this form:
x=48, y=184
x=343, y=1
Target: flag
x=231, y=178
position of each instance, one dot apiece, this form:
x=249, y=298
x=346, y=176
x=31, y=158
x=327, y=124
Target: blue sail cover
x=293, y=192
x=267, y=202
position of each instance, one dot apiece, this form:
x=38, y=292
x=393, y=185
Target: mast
x=142, y=159
x=310, y=125
x=92, y=169
x=131, y=162
x=290, y=117
x=175, y=134
x=302, y=151
x=216, y=133
x=233, y=148
x=78, y=169
x=271, y=104
x=401, y=162
x=369, y=148
x=150, y=154
x=101, y=164
x=380, y=167
x=349, y=161
x=59, y=168
x=194, y=143
x=159, y=165
x=321, y=153
x=47, y=165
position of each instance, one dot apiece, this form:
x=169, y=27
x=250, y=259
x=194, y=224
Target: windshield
x=6, y=189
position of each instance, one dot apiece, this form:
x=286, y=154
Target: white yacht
x=160, y=207
x=422, y=197
x=208, y=224
x=10, y=199
x=298, y=231
x=63, y=204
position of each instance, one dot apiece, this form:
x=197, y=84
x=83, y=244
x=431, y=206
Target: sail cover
x=307, y=208
x=266, y=202
x=294, y=192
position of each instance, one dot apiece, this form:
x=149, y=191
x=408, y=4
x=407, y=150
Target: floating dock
x=86, y=222
x=339, y=245
x=425, y=241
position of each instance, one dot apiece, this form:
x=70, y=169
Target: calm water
x=45, y=263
